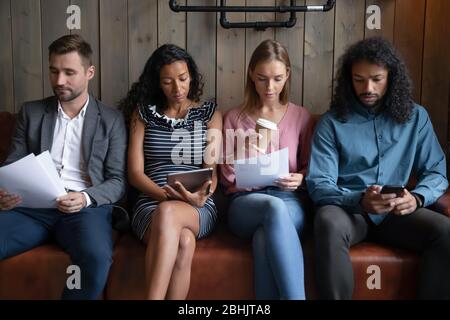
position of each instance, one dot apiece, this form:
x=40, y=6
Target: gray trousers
x=424, y=231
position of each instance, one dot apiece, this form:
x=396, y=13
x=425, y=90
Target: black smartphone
x=397, y=189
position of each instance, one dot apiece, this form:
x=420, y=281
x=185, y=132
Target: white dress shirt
x=67, y=151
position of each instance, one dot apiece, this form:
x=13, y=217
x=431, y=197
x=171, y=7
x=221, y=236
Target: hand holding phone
x=397, y=189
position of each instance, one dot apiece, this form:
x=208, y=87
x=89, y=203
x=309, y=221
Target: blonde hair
x=266, y=51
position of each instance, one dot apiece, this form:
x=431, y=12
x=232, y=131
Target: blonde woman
x=273, y=217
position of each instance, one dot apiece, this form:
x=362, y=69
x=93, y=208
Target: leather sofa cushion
x=38, y=274
x=223, y=269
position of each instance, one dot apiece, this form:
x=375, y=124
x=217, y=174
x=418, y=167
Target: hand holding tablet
x=191, y=180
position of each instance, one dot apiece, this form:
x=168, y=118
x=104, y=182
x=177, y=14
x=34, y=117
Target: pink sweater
x=295, y=132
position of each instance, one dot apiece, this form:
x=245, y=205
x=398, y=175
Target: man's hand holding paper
x=71, y=202
x=34, y=180
x=8, y=201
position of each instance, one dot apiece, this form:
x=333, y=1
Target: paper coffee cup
x=265, y=128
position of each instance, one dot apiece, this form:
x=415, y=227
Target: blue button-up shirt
x=370, y=149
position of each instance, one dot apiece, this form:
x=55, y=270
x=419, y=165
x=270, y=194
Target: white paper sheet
x=263, y=170
x=33, y=178
x=46, y=162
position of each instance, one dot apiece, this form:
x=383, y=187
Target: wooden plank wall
x=26, y=36
x=6, y=59
x=123, y=33
x=436, y=65
x=90, y=30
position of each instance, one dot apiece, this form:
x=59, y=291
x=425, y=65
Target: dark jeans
x=86, y=236
x=424, y=231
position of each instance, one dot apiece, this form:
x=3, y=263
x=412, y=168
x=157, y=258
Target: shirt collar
x=81, y=114
x=369, y=113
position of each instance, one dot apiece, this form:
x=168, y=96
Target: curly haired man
x=375, y=135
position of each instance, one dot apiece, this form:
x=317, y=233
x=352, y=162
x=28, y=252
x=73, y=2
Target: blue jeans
x=273, y=219
x=86, y=236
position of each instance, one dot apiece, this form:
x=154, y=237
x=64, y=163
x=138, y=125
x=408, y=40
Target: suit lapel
x=48, y=124
x=91, y=122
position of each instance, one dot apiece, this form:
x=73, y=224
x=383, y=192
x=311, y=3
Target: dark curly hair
x=147, y=90
x=397, y=102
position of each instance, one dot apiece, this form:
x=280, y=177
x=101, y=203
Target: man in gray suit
x=87, y=141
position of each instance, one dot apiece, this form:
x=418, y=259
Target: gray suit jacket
x=104, y=144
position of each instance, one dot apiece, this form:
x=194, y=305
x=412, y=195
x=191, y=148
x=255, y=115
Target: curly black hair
x=147, y=90
x=397, y=102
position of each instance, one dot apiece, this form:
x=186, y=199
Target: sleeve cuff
x=352, y=202
x=419, y=199
x=424, y=195
x=88, y=199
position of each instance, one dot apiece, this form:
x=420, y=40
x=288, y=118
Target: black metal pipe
x=258, y=25
x=329, y=5
x=325, y=7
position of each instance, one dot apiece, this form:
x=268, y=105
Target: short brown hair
x=70, y=43
x=268, y=50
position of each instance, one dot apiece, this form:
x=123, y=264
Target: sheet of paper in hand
x=263, y=170
x=34, y=179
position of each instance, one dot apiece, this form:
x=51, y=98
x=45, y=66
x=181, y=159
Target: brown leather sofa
x=222, y=266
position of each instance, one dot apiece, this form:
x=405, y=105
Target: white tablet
x=191, y=180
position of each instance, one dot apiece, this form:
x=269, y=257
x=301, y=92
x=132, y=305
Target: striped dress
x=173, y=145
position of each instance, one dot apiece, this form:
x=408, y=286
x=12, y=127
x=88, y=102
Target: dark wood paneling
x=27, y=51
x=387, y=19
x=6, y=59
x=143, y=34
x=293, y=39
x=114, y=53
x=255, y=37
x=318, y=69
x=54, y=25
x=172, y=26
x=231, y=62
x=201, y=44
x=90, y=26
x=408, y=38
x=436, y=65
x=349, y=26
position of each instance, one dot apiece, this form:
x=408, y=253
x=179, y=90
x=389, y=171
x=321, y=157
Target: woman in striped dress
x=169, y=132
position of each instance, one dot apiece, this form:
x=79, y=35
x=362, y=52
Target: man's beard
x=375, y=107
x=66, y=98
x=375, y=100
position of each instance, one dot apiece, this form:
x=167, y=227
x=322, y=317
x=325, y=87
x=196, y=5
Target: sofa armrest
x=442, y=205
